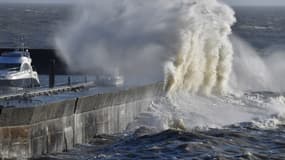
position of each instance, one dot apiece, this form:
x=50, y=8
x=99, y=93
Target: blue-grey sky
x=38, y=1
x=255, y=2
x=230, y=2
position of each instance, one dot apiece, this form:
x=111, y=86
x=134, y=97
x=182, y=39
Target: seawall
x=51, y=128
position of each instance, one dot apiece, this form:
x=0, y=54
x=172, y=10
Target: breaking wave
x=188, y=111
x=184, y=42
x=204, y=60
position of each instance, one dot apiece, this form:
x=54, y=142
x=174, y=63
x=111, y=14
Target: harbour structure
x=32, y=131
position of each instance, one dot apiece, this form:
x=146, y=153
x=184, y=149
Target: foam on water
x=189, y=111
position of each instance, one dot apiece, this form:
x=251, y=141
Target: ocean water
x=205, y=133
x=263, y=27
x=33, y=23
x=244, y=141
x=247, y=125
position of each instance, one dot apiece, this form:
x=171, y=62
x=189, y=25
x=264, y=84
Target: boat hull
x=22, y=83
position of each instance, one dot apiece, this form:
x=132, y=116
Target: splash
x=256, y=70
x=138, y=37
x=183, y=42
x=186, y=111
x=204, y=60
x=132, y=37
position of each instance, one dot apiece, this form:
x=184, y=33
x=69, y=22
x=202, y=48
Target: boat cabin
x=16, y=61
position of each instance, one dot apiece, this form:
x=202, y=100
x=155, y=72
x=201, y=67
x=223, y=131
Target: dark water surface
x=244, y=141
x=37, y=24
x=262, y=27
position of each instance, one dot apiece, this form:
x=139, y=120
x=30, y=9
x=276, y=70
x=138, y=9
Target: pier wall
x=51, y=128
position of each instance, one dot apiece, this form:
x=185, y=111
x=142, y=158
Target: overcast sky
x=38, y=1
x=231, y=2
x=256, y=2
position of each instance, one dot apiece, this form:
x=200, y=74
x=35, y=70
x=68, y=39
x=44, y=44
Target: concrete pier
x=46, y=91
x=57, y=127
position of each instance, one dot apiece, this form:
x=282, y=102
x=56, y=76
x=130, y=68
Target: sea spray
x=256, y=70
x=188, y=39
x=138, y=37
x=204, y=60
x=133, y=37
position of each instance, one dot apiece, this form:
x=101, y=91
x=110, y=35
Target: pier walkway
x=25, y=94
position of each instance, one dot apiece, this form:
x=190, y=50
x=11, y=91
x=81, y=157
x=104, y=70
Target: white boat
x=16, y=70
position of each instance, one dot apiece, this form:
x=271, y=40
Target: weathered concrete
x=33, y=131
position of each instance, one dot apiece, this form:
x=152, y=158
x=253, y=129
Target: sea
x=249, y=126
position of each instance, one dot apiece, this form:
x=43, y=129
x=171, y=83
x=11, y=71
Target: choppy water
x=261, y=26
x=244, y=141
x=35, y=23
x=260, y=138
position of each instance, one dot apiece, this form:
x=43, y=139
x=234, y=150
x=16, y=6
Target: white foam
x=194, y=111
x=204, y=60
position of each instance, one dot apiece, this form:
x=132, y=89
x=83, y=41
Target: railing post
x=52, y=73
